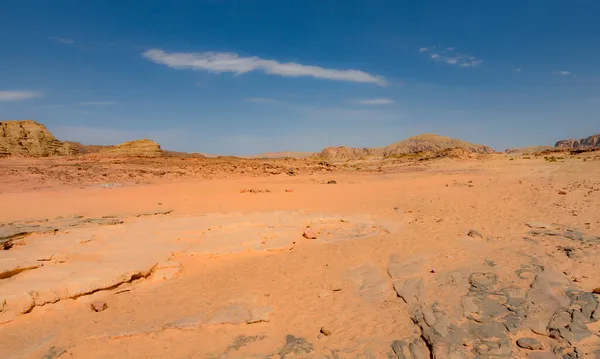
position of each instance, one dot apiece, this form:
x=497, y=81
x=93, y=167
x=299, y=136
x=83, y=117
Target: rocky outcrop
x=29, y=138
x=527, y=150
x=348, y=153
x=426, y=143
x=144, y=148
x=433, y=143
x=584, y=143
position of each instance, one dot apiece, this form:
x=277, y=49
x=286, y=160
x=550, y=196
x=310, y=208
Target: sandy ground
x=199, y=268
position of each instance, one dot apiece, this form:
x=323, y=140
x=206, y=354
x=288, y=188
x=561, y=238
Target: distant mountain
x=425, y=143
x=584, y=143
x=275, y=155
x=524, y=150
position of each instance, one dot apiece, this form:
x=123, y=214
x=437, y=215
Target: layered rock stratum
x=584, y=143
x=29, y=138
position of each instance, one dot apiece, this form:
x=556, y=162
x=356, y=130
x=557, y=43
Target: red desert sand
x=489, y=256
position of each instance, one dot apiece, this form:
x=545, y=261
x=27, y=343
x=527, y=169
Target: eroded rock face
x=426, y=143
x=588, y=142
x=29, y=138
x=145, y=148
x=496, y=307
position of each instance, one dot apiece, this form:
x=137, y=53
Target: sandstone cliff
x=144, y=148
x=588, y=142
x=426, y=143
x=29, y=138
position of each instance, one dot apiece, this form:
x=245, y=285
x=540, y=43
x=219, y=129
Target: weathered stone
x=530, y=343
x=410, y=290
x=370, y=282
x=474, y=234
x=309, y=233
x=539, y=225
x=419, y=350
x=236, y=313
x=259, y=314
x=485, y=281
x=295, y=347
x=54, y=352
x=98, y=306
x=399, y=269
x=185, y=323
x=586, y=303
x=401, y=349
x=325, y=331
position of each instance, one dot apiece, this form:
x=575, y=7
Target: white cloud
x=261, y=100
x=518, y=70
x=562, y=73
x=99, y=103
x=376, y=101
x=63, y=40
x=450, y=56
x=18, y=95
x=219, y=62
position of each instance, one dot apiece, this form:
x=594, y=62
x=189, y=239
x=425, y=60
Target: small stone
x=289, y=190
x=474, y=234
x=309, y=233
x=98, y=306
x=325, y=331
x=530, y=343
x=596, y=290
x=332, y=182
x=562, y=192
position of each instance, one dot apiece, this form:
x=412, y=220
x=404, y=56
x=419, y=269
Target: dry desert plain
x=493, y=256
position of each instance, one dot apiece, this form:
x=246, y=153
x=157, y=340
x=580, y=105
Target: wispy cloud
x=11, y=96
x=519, y=70
x=99, y=103
x=377, y=101
x=219, y=62
x=63, y=40
x=261, y=100
x=562, y=73
x=451, y=56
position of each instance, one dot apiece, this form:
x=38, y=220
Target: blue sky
x=245, y=77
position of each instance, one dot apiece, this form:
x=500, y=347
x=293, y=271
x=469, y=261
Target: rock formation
x=145, y=148
x=430, y=143
x=588, y=142
x=29, y=138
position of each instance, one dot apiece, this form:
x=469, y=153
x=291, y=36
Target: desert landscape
x=431, y=247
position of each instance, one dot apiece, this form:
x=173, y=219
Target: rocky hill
x=145, y=148
x=29, y=138
x=527, y=150
x=584, y=143
x=425, y=143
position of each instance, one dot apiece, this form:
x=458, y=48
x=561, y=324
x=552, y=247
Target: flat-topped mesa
x=144, y=148
x=29, y=138
x=584, y=143
x=425, y=143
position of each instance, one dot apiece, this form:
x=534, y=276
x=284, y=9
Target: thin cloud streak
x=63, y=40
x=12, y=96
x=450, y=56
x=377, y=101
x=220, y=62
